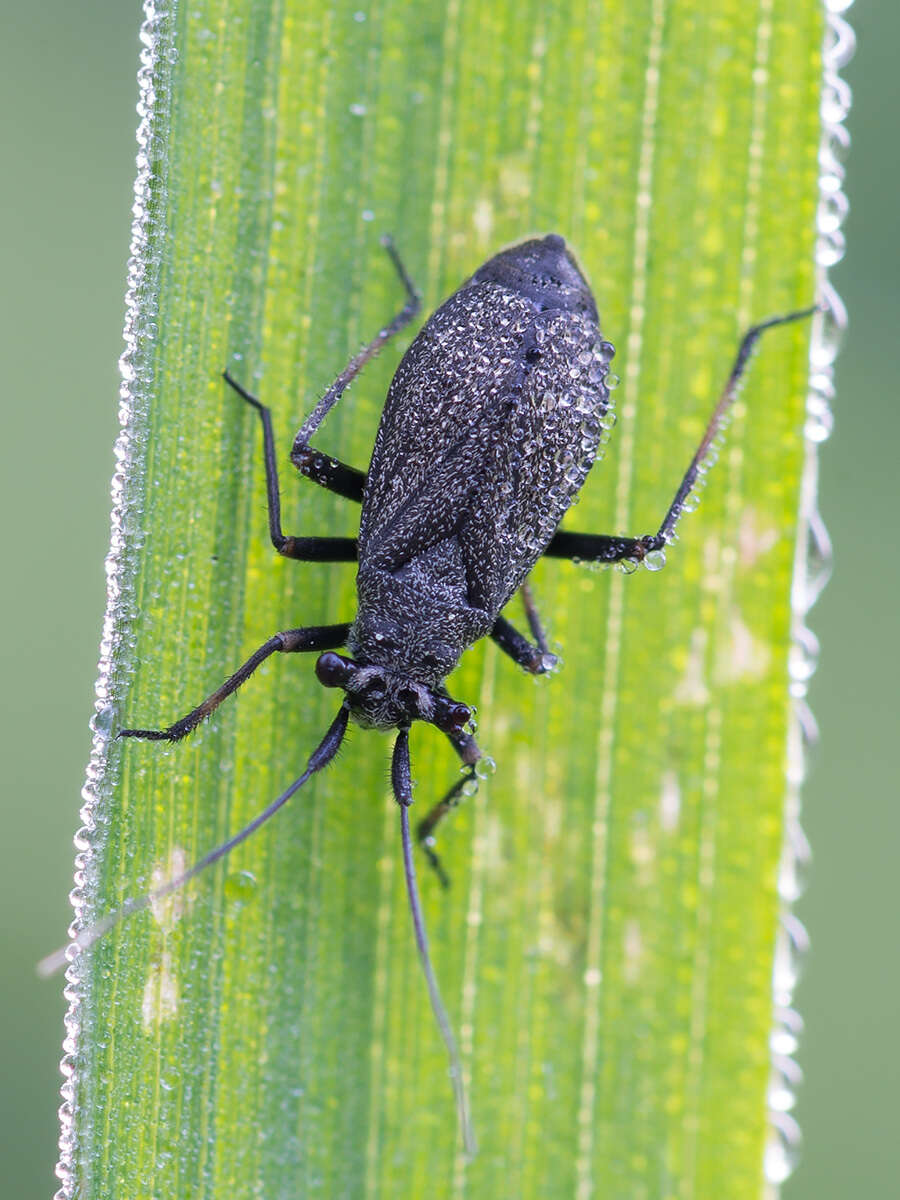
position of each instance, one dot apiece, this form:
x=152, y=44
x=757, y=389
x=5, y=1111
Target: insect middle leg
x=313, y=637
x=470, y=753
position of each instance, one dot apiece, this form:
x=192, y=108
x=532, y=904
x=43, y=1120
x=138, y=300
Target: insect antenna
x=727, y=398
x=320, y=757
x=402, y=784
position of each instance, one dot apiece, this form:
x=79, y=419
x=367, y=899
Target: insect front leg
x=313, y=637
x=470, y=754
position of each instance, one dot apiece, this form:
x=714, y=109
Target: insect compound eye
x=450, y=716
x=333, y=670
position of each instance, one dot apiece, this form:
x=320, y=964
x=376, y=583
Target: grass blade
x=606, y=948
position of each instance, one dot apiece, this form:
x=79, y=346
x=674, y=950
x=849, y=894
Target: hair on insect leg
x=534, y=618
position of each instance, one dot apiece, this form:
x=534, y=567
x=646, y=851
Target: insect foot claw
x=543, y=664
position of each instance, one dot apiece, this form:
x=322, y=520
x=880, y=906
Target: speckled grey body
x=490, y=427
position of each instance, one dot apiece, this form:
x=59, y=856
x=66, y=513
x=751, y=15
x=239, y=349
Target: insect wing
x=541, y=454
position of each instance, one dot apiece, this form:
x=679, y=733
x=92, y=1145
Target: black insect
x=491, y=424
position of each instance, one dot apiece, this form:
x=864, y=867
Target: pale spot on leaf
x=743, y=656
x=669, y=801
x=168, y=910
x=160, y=1000
x=633, y=946
x=691, y=688
x=754, y=538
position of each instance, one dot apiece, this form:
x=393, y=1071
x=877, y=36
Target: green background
x=68, y=111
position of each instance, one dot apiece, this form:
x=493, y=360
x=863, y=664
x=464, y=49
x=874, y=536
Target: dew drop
x=240, y=887
x=485, y=767
x=655, y=560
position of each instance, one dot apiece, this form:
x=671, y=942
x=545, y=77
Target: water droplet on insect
x=485, y=767
x=655, y=560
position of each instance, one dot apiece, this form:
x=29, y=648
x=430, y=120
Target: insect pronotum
x=490, y=427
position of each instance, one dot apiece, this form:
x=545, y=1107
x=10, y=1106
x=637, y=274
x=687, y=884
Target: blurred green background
x=67, y=94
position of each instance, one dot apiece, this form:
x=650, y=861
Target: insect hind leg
x=606, y=548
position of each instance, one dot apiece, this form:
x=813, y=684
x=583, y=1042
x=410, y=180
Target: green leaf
x=606, y=948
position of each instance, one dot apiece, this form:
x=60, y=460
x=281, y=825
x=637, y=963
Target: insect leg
x=356, y=364
x=328, y=473
x=307, y=549
x=520, y=650
x=321, y=468
x=314, y=637
x=469, y=752
x=605, y=548
x=534, y=618
x=602, y=547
